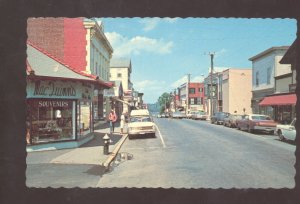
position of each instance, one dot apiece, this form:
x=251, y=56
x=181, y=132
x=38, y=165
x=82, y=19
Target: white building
x=120, y=69
x=265, y=67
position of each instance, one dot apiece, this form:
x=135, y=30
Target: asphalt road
x=197, y=154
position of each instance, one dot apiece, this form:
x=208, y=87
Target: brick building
x=78, y=42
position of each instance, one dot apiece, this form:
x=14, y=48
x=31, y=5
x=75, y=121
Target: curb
x=114, y=153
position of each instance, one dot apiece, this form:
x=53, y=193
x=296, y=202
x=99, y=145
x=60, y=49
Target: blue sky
x=164, y=50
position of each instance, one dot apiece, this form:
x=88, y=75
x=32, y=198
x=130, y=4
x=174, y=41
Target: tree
x=164, y=101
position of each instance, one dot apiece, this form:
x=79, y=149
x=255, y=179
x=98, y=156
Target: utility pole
x=211, y=81
x=175, y=100
x=187, y=94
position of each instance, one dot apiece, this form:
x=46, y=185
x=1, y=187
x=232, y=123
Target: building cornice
x=270, y=50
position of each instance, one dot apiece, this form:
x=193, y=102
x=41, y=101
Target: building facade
x=196, y=97
x=283, y=101
x=237, y=90
x=213, y=93
x=265, y=68
x=78, y=42
x=59, y=101
x=120, y=69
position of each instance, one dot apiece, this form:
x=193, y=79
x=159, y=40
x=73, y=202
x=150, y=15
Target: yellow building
x=236, y=90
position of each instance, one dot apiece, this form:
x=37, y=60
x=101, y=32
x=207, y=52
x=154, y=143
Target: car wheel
x=280, y=135
x=238, y=127
x=250, y=130
x=272, y=132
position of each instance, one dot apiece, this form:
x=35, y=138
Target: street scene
x=161, y=102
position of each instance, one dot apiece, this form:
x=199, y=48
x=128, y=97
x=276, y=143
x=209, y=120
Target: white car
x=140, y=123
x=286, y=131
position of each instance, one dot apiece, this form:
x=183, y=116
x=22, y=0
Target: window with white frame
x=257, y=78
x=269, y=75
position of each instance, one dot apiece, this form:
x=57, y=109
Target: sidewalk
x=92, y=151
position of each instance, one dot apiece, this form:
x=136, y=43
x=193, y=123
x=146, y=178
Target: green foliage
x=164, y=101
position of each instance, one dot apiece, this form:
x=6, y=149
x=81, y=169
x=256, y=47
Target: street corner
x=112, y=155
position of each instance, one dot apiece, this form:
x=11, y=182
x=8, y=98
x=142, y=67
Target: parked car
x=218, y=117
x=286, y=131
x=199, y=116
x=190, y=115
x=178, y=114
x=257, y=122
x=163, y=115
x=140, y=123
x=158, y=115
x=231, y=120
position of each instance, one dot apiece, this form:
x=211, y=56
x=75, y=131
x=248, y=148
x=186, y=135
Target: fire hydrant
x=106, y=140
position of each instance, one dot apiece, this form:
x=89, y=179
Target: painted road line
x=161, y=137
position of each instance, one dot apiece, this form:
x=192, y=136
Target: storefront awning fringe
x=279, y=100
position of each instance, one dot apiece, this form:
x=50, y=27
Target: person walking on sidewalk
x=112, y=119
x=123, y=121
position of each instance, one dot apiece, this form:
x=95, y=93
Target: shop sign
x=54, y=104
x=58, y=89
x=109, y=92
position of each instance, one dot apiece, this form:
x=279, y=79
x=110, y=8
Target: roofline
x=288, y=56
x=60, y=61
x=35, y=77
x=268, y=51
x=98, y=27
x=92, y=77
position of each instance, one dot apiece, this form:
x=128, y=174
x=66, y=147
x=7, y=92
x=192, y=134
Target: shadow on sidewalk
x=98, y=141
x=105, y=125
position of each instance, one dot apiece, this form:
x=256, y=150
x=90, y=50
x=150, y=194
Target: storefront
x=280, y=107
x=59, y=110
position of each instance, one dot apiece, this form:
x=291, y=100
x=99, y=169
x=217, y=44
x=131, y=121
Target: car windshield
x=140, y=119
x=237, y=116
x=261, y=117
x=201, y=113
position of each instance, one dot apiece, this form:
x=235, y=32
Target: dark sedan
x=218, y=117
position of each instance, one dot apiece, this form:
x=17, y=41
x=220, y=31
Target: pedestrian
x=123, y=121
x=28, y=127
x=112, y=119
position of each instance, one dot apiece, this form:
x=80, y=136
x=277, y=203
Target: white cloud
x=151, y=23
x=124, y=47
x=179, y=82
x=184, y=79
x=148, y=85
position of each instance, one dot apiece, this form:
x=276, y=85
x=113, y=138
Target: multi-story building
x=77, y=42
x=196, y=96
x=193, y=100
x=213, y=93
x=59, y=102
x=237, y=90
x=283, y=101
x=265, y=68
x=120, y=69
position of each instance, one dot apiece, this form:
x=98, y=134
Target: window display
x=84, y=111
x=51, y=120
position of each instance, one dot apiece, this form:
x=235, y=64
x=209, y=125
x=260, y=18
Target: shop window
x=191, y=90
x=257, y=78
x=51, y=120
x=84, y=115
x=269, y=75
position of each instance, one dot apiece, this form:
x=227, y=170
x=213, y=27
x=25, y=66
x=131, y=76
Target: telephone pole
x=211, y=81
x=187, y=94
